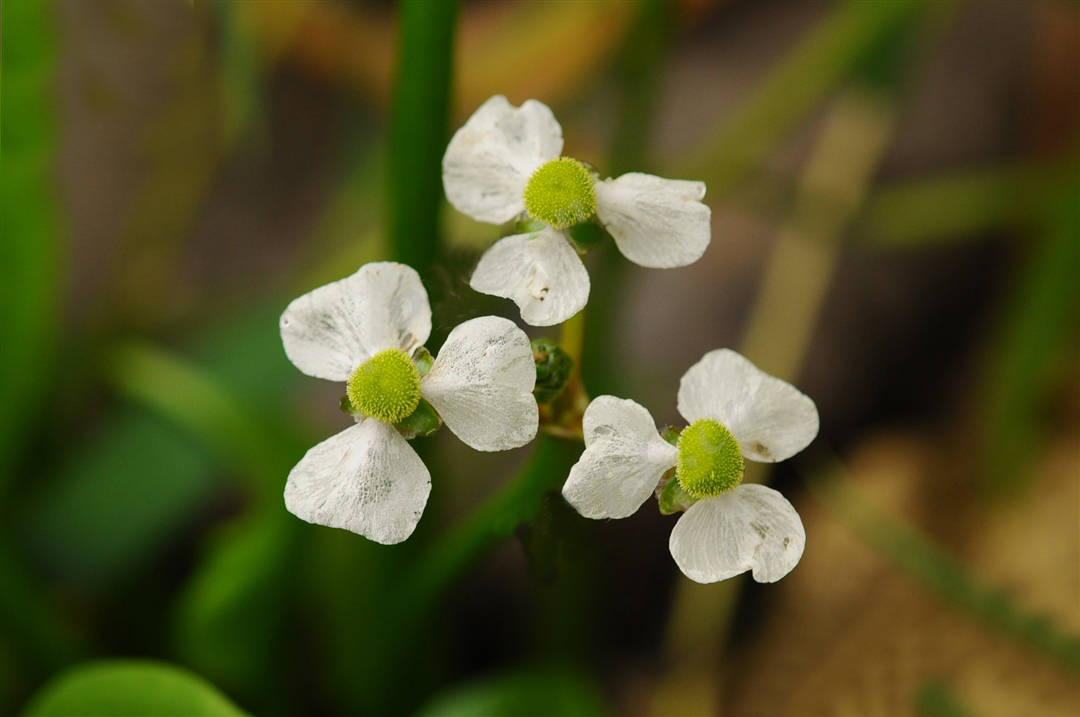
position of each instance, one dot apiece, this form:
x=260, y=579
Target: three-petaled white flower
x=734, y=410
x=505, y=162
x=366, y=330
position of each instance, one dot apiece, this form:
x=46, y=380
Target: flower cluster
x=368, y=332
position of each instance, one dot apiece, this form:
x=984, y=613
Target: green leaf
x=125, y=490
x=552, y=693
x=229, y=617
x=130, y=688
x=117, y=499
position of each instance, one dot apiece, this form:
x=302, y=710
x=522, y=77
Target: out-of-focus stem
x=817, y=64
x=918, y=557
x=572, y=338
x=831, y=189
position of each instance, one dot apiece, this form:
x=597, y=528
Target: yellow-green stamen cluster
x=710, y=460
x=561, y=193
x=386, y=386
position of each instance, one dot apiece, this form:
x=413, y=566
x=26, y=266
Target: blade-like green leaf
x=1037, y=332
x=30, y=244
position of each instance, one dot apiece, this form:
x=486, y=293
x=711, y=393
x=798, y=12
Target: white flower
x=365, y=330
x=504, y=162
x=735, y=410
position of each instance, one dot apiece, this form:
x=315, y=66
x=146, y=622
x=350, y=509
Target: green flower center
x=710, y=461
x=386, y=386
x=561, y=193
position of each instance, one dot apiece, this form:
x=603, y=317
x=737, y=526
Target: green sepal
x=423, y=360
x=346, y=406
x=671, y=434
x=424, y=421
x=585, y=236
x=670, y=495
x=553, y=369
x=528, y=225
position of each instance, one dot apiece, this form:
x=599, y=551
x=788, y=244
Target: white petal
x=328, y=332
x=656, y=222
x=481, y=384
x=750, y=527
x=540, y=272
x=623, y=461
x=489, y=160
x=366, y=479
x=771, y=419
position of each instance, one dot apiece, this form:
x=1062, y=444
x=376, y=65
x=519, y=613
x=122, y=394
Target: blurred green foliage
x=1038, y=330
x=554, y=693
x=31, y=252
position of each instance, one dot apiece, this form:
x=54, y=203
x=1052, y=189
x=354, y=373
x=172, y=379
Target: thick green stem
x=496, y=519
x=418, y=129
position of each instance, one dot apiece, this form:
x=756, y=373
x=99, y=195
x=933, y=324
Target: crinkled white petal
x=623, y=461
x=750, y=527
x=540, y=272
x=771, y=419
x=656, y=222
x=328, y=332
x=490, y=159
x=366, y=479
x=481, y=384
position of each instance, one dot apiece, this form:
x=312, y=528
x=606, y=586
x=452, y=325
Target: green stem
x=496, y=519
x=408, y=611
x=418, y=129
x=30, y=251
